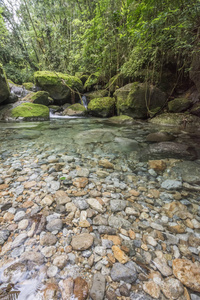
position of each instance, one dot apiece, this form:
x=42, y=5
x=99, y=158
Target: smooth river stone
x=98, y=287
x=80, y=289
x=82, y=241
x=187, y=272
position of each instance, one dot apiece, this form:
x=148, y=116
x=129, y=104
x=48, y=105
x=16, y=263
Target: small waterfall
x=84, y=101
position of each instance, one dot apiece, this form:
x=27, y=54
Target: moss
x=43, y=78
x=60, y=86
x=96, y=94
x=77, y=107
x=92, y=80
x=176, y=119
x=123, y=119
x=28, y=86
x=29, y=110
x=179, y=105
x=102, y=107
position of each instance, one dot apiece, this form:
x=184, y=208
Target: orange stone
x=80, y=182
x=157, y=165
x=152, y=289
x=29, y=184
x=3, y=186
x=80, y=289
x=114, y=238
x=27, y=204
x=132, y=234
x=119, y=255
x=134, y=193
x=187, y=272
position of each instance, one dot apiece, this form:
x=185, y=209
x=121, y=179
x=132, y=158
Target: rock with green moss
x=92, y=80
x=28, y=86
x=102, y=107
x=176, y=119
x=30, y=111
x=195, y=110
x=137, y=100
x=4, y=87
x=96, y=94
x=123, y=119
x=40, y=97
x=61, y=87
x=75, y=110
x=179, y=105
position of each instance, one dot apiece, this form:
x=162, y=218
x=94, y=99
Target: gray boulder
x=138, y=99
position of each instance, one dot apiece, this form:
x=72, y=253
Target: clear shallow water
x=87, y=137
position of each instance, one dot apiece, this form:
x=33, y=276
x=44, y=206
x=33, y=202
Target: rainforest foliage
x=140, y=39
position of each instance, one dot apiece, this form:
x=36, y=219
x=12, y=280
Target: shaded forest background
x=141, y=40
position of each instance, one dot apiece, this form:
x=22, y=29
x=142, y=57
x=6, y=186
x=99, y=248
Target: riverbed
x=96, y=210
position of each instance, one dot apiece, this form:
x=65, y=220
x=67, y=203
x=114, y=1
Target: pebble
x=120, y=272
x=82, y=241
x=97, y=290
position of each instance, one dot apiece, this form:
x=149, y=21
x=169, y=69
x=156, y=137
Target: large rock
x=4, y=87
x=40, y=97
x=96, y=94
x=189, y=171
x=30, y=111
x=187, y=272
x=179, y=104
x=102, y=107
x=75, y=110
x=95, y=136
x=58, y=85
x=195, y=110
x=137, y=99
x=195, y=70
x=176, y=119
x=168, y=150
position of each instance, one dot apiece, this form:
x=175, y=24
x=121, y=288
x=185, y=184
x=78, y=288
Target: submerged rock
x=188, y=273
x=98, y=287
x=176, y=119
x=168, y=150
x=122, y=272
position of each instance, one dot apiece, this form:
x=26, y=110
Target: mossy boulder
x=96, y=94
x=195, y=110
x=30, y=111
x=92, y=80
x=138, y=100
x=58, y=85
x=75, y=110
x=4, y=87
x=176, y=119
x=102, y=107
x=123, y=119
x=40, y=97
x=28, y=86
x=179, y=105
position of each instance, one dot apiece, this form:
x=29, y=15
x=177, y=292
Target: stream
x=78, y=196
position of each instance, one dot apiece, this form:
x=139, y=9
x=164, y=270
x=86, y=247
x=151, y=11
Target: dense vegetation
x=141, y=39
